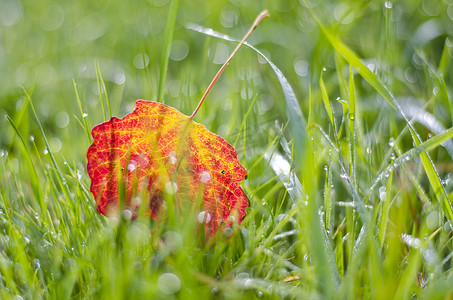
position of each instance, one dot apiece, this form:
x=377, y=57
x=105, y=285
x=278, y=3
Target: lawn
x=340, y=111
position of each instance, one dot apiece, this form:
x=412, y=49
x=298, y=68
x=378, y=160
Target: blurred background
x=54, y=244
x=45, y=45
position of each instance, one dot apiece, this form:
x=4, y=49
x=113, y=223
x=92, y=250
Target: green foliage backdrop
x=351, y=199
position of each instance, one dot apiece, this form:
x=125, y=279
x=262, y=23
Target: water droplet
x=436, y=90
x=391, y=142
x=232, y=219
x=351, y=116
x=382, y=193
x=84, y=115
x=214, y=290
x=204, y=217
x=324, y=69
x=325, y=168
x=36, y=264
x=126, y=214
x=131, y=166
x=45, y=151
x=205, y=177
x=141, y=60
x=344, y=175
x=172, y=159
x=228, y=231
x=171, y=188
x=248, y=283
x=169, y=283
x=388, y=4
x=368, y=150
x=260, y=294
x=31, y=138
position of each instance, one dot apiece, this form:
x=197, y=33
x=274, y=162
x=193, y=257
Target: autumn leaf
x=155, y=150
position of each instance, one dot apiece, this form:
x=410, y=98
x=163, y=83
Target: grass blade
x=171, y=21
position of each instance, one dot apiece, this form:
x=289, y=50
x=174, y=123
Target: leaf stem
x=259, y=18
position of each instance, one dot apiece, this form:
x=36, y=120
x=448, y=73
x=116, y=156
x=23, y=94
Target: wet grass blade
x=327, y=105
x=60, y=177
x=352, y=124
x=84, y=122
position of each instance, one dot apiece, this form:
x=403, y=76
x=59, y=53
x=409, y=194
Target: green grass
x=345, y=128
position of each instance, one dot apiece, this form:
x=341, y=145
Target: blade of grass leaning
x=328, y=193
x=327, y=105
x=169, y=29
x=85, y=124
x=386, y=199
x=96, y=65
x=352, y=122
x=296, y=118
x=102, y=90
x=445, y=60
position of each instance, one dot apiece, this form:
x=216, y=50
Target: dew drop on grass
x=232, y=219
x=205, y=177
x=171, y=188
x=436, y=90
x=36, y=264
x=31, y=138
x=382, y=193
x=126, y=214
x=204, y=217
x=388, y=4
x=131, y=166
x=172, y=159
x=391, y=142
x=169, y=283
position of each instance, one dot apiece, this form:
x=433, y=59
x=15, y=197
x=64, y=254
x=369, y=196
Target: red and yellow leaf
x=156, y=150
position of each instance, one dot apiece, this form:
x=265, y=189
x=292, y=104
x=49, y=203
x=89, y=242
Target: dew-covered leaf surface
x=157, y=152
